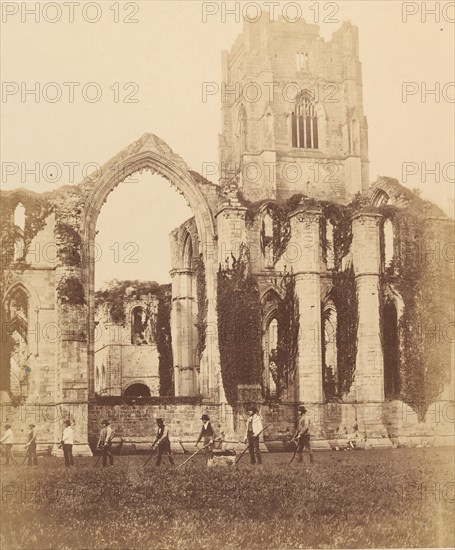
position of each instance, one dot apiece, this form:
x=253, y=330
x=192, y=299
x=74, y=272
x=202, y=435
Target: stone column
x=182, y=331
x=369, y=374
x=305, y=247
x=231, y=235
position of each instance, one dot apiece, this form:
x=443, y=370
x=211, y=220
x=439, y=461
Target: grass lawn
x=364, y=499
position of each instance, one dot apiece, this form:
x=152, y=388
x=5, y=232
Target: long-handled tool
x=99, y=458
x=246, y=448
x=184, y=450
x=25, y=457
x=194, y=454
x=296, y=449
x=152, y=453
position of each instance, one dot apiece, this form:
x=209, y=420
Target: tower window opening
x=302, y=61
x=305, y=123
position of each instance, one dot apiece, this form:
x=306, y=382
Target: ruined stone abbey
x=296, y=281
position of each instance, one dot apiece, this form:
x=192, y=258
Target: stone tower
x=292, y=113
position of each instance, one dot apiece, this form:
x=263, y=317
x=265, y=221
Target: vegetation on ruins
x=116, y=292
x=37, y=209
x=288, y=331
x=69, y=244
x=239, y=326
x=422, y=273
x=202, y=305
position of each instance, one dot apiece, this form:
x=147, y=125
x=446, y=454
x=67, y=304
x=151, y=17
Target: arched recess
x=391, y=313
x=151, y=153
x=270, y=303
x=329, y=350
x=379, y=197
x=136, y=389
x=20, y=346
x=391, y=351
x=184, y=320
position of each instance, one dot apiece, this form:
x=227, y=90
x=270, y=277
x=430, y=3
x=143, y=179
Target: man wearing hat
x=254, y=428
x=162, y=442
x=67, y=443
x=302, y=435
x=207, y=433
x=7, y=442
x=105, y=442
x=31, y=446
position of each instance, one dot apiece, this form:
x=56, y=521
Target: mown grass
x=377, y=498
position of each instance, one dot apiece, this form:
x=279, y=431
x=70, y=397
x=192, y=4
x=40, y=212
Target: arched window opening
x=242, y=129
x=137, y=390
x=268, y=130
x=302, y=61
x=330, y=252
x=388, y=244
x=305, y=133
x=354, y=137
x=139, y=326
x=271, y=367
x=379, y=198
x=97, y=380
x=267, y=239
x=15, y=353
x=188, y=253
x=329, y=352
x=19, y=225
x=391, y=352
x=103, y=378
x=19, y=216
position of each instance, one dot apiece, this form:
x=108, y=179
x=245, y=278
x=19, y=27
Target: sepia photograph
x=227, y=285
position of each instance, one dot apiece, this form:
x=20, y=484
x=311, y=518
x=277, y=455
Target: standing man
x=31, y=446
x=105, y=442
x=7, y=442
x=254, y=429
x=302, y=435
x=207, y=433
x=162, y=442
x=67, y=443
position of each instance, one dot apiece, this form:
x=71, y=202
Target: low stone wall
x=135, y=422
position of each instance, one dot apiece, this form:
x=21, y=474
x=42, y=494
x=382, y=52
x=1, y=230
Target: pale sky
x=167, y=56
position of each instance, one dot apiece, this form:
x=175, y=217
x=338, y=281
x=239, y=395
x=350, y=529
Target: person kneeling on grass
x=162, y=442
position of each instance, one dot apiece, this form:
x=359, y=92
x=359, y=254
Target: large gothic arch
x=150, y=153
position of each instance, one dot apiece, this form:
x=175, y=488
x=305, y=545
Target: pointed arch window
x=19, y=226
x=302, y=61
x=329, y=351
x=242, y=129
x=391, y=352
x=304, y=120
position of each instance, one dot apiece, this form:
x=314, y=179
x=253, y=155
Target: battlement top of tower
x=285, y=29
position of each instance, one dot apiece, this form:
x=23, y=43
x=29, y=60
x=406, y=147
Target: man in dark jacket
x=302, y=435
x=162, y=442
x=31, y=446
x=105, y=443
x=208, y=435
